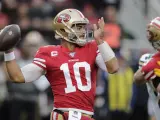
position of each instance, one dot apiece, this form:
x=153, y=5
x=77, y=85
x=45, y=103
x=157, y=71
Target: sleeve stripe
x=39, y=59
x=39, y=63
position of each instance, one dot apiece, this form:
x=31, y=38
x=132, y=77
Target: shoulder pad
x=46, y=49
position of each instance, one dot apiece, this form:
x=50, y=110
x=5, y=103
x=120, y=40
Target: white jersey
x=154, y=97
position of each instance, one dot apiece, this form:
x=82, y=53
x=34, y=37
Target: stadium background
x=125, y=27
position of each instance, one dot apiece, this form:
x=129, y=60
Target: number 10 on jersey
x=76, y=68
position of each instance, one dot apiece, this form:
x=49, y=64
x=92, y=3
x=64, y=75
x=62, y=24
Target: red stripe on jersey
x=39, y=65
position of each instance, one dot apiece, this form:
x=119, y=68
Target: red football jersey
x=149, y=67
x=72, y=75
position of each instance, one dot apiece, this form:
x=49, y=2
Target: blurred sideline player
x=141, y=76
x=70, y=67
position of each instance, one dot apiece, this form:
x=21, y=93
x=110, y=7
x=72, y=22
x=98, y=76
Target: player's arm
x=107, y=53
x=27, y=73
x=13, y=70
x=109, y=58
x=139, y=77
x=110, y=65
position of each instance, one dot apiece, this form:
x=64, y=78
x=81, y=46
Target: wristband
x=9, y=56
x=106, y=51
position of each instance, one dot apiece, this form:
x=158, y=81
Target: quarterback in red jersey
x=70, y=67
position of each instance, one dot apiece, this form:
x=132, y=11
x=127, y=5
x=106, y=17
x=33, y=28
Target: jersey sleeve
x=40, y=58
x=100, y=62
x=32, y=72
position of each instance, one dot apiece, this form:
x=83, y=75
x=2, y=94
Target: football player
x=148, y=67
x=70, y=67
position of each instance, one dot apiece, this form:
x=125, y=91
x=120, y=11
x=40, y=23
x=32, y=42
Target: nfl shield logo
x=72, y=54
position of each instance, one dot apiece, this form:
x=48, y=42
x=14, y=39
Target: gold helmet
x=154, y=33
x=63, y=23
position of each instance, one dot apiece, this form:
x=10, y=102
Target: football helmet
x=153, y=35
x=63, y=26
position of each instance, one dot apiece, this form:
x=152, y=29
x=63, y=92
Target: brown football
x=9, y=37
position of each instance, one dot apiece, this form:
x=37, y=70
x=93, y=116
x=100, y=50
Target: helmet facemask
x=156, y=44
x=80, y=34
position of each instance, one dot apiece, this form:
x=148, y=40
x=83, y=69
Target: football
x=9, y=37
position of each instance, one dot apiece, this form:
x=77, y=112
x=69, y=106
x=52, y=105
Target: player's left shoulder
x=47, y=50
x=48, y=47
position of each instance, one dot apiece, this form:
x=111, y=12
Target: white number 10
x=70, y=88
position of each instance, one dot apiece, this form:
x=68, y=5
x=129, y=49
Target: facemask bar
x=76, y=36
x=90, y=33
x=70, y=35
x=156, y=44
x=73, y=36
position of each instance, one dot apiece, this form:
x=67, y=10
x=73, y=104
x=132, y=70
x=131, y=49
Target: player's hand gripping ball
x=9, y=37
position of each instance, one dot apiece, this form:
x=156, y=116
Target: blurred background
x=117, y=97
